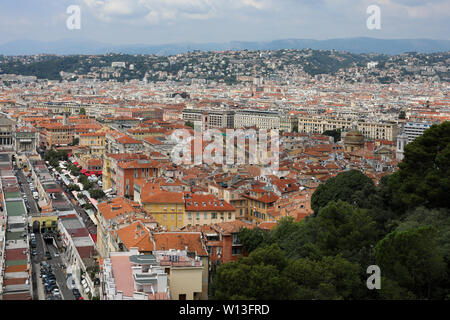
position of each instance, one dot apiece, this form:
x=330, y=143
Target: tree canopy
x=402, y=225
x=423, y=177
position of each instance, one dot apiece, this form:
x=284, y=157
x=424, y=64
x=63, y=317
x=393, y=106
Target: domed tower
x=353, y=140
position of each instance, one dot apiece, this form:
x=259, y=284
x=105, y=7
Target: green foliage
x=424, y=174
x=253, y=238
x=74, y=187
x=413, y=259
x=189, y=124
x=402, y=225
x=352, y=186
x=96, y=194
x=253, y=278
x=75, y=141
x=327, y=278
x=336, y=134
x=53, y=157
x=82, y=111
x=341, y=228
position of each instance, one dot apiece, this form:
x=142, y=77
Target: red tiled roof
x=208, y=202
x=179, y=241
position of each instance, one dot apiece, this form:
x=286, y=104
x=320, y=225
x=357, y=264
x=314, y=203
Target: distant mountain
x=353, y=45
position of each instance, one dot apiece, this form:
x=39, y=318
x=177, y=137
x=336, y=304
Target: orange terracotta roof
x=163, y=197
x=179, y=241
x=117, y=207
x=208, y=202
x=136, y=235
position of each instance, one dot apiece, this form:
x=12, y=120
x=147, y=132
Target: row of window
x=205, y=215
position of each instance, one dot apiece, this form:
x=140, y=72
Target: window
x=189, y=216
x=173, y=217
x=235, y=239
x=229, y=215
x=214, y=215
x=205, y=216
x=165, y=217
x=197, y=216
x=219, y=250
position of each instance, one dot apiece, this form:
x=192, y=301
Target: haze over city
x=122, y=22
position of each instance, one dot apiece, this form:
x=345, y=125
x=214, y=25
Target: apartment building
x=15, y=272
x=133, y=276
x=259, y=118
x=188, y=277
x=259, y=203
x=127, y=171
x=113, y=215
x=167, y=208
x=370, y=130
x=204, y=209
x=415, y=129
x=57, y=134
x=110, y=168
x=210, y=118
x=95, y=141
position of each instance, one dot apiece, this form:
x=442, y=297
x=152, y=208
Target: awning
x=75, y=163
x=83, y=171
x=87, y=174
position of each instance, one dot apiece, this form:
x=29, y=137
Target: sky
x=202, y=21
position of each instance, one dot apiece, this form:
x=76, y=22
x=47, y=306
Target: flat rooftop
x=72, y=223
x=12, y=195
x=15, y=208
x=123, y=277
x=15, y=235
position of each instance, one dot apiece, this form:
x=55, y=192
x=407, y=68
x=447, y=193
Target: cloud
x=159, y=11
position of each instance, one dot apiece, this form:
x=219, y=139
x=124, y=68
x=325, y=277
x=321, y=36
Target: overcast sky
x=174, y=21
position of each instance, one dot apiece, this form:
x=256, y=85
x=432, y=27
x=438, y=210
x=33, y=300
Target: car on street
x=33, y=252
x=50, y=282
x=76, y=293
x=49, y=288
x=56, y=254
x=48, y=255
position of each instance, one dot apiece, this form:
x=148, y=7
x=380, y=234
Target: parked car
x=56, y=254
x=49, y=288
x=48, y=255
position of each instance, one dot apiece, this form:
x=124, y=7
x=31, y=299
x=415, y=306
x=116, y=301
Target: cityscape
x=232, y=174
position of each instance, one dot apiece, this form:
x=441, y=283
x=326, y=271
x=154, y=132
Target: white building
x=133, y=276
x=415, y=129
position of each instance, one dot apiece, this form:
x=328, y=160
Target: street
x=24, y=187
x=41, y=248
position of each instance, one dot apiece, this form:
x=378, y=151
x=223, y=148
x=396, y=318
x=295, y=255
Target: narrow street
x=41, y=248
x=24, y=187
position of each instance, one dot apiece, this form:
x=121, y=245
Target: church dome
x=354, y=137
